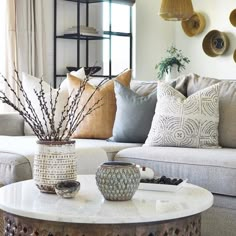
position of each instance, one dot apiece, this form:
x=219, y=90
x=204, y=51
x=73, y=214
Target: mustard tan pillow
x=99, y=124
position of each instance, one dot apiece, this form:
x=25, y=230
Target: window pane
x=120, y=54
x=120, y=18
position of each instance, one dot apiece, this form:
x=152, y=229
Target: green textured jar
x=118, y=181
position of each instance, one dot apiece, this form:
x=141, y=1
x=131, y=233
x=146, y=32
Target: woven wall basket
x=195, y=25
x=232, y=18
x=215, y=43
x=54, y=162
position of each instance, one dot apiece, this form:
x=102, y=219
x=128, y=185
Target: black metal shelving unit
x=107, y=35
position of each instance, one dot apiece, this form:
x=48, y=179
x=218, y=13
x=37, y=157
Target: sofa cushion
x=227, y=103
x=133, y=116
x=185, y=122
x=213, y=169
x=13, y=168
x=11, y=124
x=143, y=88
x=99, y=123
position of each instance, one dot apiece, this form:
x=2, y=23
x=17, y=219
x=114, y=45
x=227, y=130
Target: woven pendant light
x=176, y=10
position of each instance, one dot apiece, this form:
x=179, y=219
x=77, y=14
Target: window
x=120, y=38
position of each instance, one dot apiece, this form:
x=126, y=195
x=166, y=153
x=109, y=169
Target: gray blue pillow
x=133, y=115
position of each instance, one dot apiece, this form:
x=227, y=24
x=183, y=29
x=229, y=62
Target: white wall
x=153, y=36
x=217, y=17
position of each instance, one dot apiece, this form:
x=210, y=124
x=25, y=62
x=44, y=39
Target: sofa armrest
x=11, y=124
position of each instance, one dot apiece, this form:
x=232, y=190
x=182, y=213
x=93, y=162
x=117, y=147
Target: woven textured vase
x=54, y=162
x=118, y=181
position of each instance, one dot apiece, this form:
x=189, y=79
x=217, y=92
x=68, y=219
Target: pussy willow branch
x=44, y=108
x=34, y=117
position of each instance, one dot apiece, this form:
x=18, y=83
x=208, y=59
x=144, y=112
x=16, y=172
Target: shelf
x=102, y=76
x=117, y=33
x=129, y=2
x=88, y=1
x=82, y=37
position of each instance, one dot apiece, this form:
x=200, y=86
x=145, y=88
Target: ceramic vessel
x=172, y=74
x=67, y=189
x=54, y=162
x=118, y=181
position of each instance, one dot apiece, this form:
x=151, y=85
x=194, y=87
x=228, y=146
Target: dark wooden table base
x=21, y=226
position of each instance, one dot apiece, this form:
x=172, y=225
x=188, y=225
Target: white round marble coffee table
x=28, y=212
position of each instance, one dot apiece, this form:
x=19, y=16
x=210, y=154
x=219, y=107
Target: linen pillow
x=133, y=115
x=79, y=74
x=185, y=122
x=99, y=124
x=192, y=83
x=30, y=83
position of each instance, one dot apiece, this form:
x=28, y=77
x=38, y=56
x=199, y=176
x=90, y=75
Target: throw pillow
x=30, y=83
x=133, y=115
x=192, y=83
x=99, y=124
x=79, y=73
x=185, y=122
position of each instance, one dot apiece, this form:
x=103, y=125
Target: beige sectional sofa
x=213, y=169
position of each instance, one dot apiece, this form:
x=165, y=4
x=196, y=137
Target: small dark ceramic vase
x=118, y=181
x=67, y=189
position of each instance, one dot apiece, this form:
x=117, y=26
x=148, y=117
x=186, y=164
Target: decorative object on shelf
x=194, y=25
x=67, y=189
x=88, y=70
x=234, y=56
x=232, y=18
x=55, y=158
x=169, y=67
x=84, y=30
x=215, y=43
x=118, y=181
x=176, y=10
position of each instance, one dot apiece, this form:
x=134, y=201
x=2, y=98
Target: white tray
x=161, y=187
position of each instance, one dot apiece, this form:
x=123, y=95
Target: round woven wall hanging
x=232, y=17
x=215, y=43
x=234, y=56
x=195, y=25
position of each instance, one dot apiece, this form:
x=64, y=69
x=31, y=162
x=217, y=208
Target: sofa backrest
x=11, y=124
x=227, y=103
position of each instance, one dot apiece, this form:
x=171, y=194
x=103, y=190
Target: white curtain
x=23, y=47
x=30, y=27
x=9, y=48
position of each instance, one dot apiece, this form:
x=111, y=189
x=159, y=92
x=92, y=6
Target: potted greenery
x=55, y=158
x=174, y=59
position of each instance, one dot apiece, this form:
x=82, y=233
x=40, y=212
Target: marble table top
x=89, y=206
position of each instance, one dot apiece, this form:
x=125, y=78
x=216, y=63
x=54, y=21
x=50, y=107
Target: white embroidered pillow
x=185, y=122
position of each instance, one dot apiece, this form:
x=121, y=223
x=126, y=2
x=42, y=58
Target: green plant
x=174, y=57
